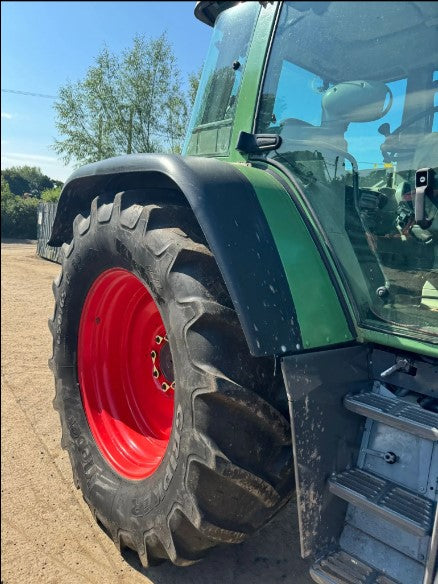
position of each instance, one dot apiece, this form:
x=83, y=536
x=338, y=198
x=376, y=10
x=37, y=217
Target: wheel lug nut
x=153, y=354
x=155, y=373
x=172, y=385
x=158, y=339
x=164, y=386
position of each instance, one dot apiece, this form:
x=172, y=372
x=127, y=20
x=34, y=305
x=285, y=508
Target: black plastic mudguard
x=226, y=206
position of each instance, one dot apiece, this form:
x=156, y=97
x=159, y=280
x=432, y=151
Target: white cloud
x=22, y=156
x=7, y=115
x=49, y=164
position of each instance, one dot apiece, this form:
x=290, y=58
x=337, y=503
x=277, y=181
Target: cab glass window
x=212, y=118
x=351, y=88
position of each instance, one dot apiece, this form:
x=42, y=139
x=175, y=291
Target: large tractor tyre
x=170, y=424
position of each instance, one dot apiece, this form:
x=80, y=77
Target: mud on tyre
x=175, y=463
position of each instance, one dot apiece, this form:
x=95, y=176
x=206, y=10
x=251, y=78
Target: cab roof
x=207, y=10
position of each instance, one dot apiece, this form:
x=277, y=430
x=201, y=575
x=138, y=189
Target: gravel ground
x=48, y=533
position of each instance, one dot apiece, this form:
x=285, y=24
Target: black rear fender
x=228, y=212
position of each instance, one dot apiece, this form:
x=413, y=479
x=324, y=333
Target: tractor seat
x=312, y=137
x=426, y=152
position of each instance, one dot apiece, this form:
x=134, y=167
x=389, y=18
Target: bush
x=51, y=195
x=27, y=179
x=19, y=216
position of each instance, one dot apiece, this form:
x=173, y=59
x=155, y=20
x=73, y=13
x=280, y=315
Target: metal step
x=341, y=568
x=396, y=413
x=390, y=501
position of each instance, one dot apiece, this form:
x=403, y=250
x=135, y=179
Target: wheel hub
x=125, y=374
x=162, y=364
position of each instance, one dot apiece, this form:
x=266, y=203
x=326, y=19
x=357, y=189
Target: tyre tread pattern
x=255, y=475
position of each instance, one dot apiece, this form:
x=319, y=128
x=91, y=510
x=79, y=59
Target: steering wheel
x=392, y=145
x=412, y=119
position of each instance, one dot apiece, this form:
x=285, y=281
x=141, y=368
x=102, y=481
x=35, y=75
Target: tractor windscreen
x=351, y=88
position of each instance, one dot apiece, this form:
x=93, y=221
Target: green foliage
x=18, y=212
x=27, y=179
x=126, y=103
x=17, y=184
x=18, y=215
x=194, y=79
x=5, y=189
x=51, y=195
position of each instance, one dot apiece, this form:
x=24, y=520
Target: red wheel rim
x=125, y=373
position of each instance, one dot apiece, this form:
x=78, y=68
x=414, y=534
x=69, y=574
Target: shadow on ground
x=271, y=556
x=21, y=241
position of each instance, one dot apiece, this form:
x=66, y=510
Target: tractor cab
x=350, y=90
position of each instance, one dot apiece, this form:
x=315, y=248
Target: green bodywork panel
x=401, y=343
x=320, y=315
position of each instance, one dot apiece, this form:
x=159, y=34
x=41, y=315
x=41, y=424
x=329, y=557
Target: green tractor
x=260, y=315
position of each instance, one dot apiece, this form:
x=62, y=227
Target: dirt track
x=48, y=534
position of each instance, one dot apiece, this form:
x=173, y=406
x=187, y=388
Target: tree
x=27, y=179
x=194, y=79
x=126, y=103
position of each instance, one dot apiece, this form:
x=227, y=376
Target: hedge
x=19, y=217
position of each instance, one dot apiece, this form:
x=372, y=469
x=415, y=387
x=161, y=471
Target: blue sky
x=44, y=44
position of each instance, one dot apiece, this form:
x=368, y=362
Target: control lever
x=400, y=365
